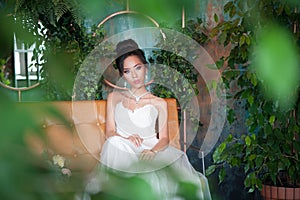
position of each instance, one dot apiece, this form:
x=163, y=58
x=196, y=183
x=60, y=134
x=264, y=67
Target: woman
x=132, y=145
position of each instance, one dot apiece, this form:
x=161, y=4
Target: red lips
x=136, y=81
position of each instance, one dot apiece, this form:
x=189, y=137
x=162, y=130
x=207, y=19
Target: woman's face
x=134, y=71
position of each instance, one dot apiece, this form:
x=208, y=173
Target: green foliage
x=172, y=67
x=64, y=57
x=279, y=83
x=268, y=152
x=175, y=76
x=59, y=33
x=52, y=11
x=23, y=174
x=90, y=74
x=175, y=59
x=3, y=78
x=124, y=187
x=188, y=191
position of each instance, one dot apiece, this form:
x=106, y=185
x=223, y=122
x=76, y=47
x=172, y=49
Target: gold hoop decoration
x=127, y=12
x=19, y=90
x=123, y=88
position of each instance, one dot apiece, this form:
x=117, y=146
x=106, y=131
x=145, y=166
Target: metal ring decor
x=19, y=90
x=127, y=12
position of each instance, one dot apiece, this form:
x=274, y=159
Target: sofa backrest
x=80, y=133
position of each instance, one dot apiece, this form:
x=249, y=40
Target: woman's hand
x=135, y=139
x=147, y=154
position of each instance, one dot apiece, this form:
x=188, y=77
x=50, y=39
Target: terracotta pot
x=273, y=192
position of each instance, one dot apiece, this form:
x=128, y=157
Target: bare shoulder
x=115, y=96
x=159, y=102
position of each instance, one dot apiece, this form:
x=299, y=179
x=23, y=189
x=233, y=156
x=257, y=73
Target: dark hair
x=125, y=49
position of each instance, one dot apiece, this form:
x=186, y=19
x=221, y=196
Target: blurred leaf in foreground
x=276, y=63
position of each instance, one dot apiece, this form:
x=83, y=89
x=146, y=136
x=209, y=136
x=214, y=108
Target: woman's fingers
x=139, y=140
x=147, y=155
x=136, y=140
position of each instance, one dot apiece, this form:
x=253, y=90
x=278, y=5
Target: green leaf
x=218, y=152
x=229, y=138
x=211, y=169
x=247, y=181
x=258, y=184
x=246, y=167
x=248, y=140
x=250, y=100
x=228, y=6
x=232, y=11
x=272, y=120
x=252, y=157
x=235, y=162
x=250, y=180
x=216, y=18
x=268, y=130
x=222, y=37
x=259, y=160
x=242, y=40
x=253, y=79
x=251, y=190
x=231, y=116
x=220, y=63
x=222, y=175
x=248, y=41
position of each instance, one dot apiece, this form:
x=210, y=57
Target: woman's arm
x=163, y=141
x=110, y=129
x=163, y=133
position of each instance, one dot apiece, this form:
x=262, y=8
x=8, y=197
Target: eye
x=126, y=71
x=139, y=67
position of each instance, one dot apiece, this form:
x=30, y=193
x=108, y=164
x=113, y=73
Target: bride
x=134, y=145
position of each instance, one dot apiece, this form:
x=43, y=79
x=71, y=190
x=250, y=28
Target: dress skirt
x=168, y=173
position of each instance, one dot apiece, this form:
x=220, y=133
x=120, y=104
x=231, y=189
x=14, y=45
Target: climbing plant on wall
x=173, y=69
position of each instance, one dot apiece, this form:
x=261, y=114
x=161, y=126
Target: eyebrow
x=138, y=64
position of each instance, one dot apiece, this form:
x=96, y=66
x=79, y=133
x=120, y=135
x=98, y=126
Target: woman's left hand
x=147, y=154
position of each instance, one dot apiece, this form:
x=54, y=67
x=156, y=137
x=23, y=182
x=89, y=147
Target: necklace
x=137, y=98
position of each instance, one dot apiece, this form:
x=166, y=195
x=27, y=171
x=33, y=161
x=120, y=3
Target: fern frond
x=60, y=9
x=75, y=11
x=64, y=6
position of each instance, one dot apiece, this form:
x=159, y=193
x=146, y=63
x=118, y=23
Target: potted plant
x=268, y=151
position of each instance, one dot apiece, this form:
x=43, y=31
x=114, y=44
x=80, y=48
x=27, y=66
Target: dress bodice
x=140, y=121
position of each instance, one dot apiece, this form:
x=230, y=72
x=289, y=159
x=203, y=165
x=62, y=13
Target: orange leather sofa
x=80, y=133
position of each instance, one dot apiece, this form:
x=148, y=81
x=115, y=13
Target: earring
x=125, y=84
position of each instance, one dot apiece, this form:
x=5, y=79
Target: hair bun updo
x=126, y=46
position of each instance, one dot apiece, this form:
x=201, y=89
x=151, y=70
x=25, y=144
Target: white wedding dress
x=121, y=155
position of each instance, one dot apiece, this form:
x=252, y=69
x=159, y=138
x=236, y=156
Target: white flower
x=59, y=160
x=66, y=171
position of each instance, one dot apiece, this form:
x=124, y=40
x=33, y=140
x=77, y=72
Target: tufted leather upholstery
x=80, y=133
